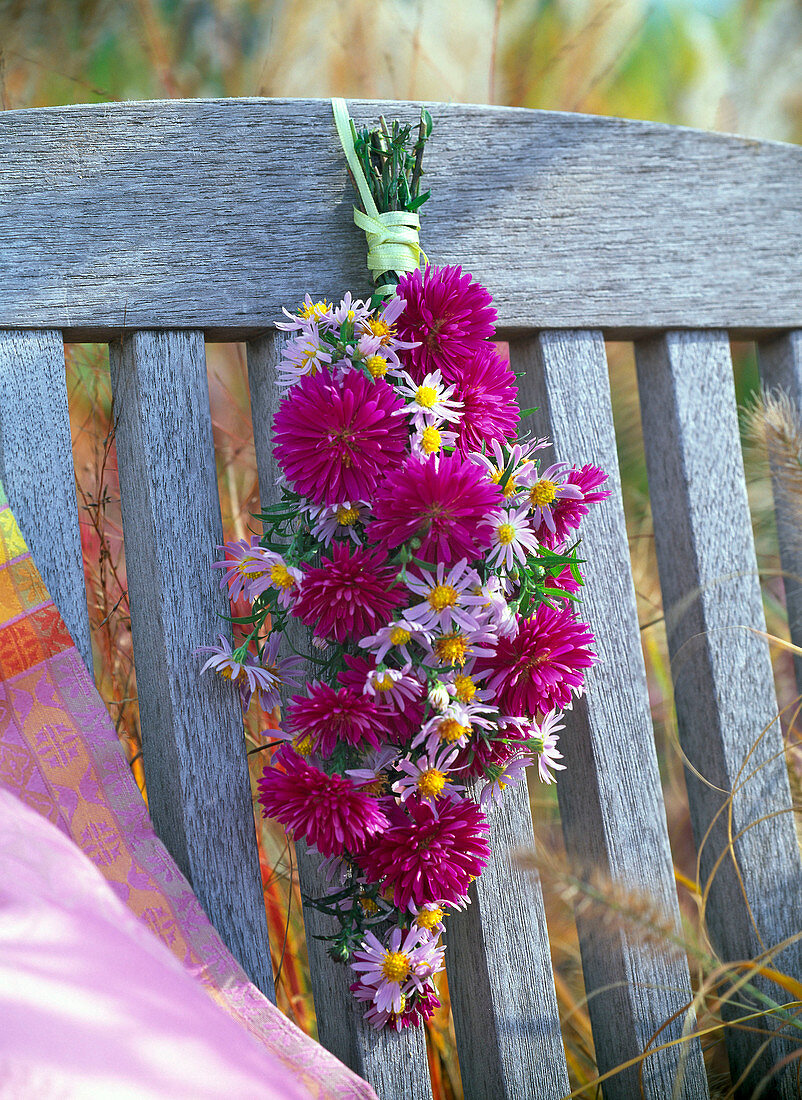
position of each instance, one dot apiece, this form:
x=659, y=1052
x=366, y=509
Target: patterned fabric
x=60, y=755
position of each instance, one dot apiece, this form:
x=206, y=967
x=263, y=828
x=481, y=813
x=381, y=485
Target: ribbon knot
x=392, y=236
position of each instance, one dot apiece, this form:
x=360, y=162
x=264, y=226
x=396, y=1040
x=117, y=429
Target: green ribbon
x=392, y=236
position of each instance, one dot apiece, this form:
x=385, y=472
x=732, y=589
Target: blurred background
x=731, y=65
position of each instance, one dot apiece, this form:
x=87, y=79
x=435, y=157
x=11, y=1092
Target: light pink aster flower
x=453, y=727
x=501, y=616
x=543, y=744
x=394, y=971
x=309, y=312
x=373, y=775
x=429, y=402
x=457, y=646
x=244, y=561
x=396, y=636
x=329, y=521
x=305, y=355
x=513, y=537
x=285, y=579
x=266, y=677
x=427, y=777
x=551, y=486
x=515, y=458
x=350, y=309
x=502, y=777
x=449, y=599
x=396, y=685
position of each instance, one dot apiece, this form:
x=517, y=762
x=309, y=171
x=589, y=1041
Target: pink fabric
x=92, y=1003
x=59, y=754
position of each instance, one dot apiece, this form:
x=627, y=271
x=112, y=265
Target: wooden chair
x=156, y=226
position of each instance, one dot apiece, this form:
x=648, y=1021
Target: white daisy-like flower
x=431, y=441
x=393, y=684
x=511, y=774
x=453, y=727
x=309, y=312
x=337, y=520
x=513, y=537
x=430, y=402
x=449, y=599
x=518, y=458
x=549, y=487
x=457, y=646
x=306, y=354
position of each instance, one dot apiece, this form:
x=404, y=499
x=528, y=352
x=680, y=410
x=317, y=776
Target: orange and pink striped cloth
x=60, y=756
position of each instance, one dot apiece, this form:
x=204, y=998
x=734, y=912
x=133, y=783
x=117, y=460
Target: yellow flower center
x=399, y=636
x=377, y=786
x=426, y=396
x=451, y=648
x=377, y=365
x=442, y=596
x=542, y=493
x=395, y=966
x=431, y=783
x=449, y=729
x=429, y=918
x=314, y=311
x=347, y=517
x=385, y=684
x=304, y=745
x=430, y=441
x=242, y=565
x=464, y=687
x=281, y=575
x=368, y=905
x=506, y=533
x=380, y=328
x=226, y=672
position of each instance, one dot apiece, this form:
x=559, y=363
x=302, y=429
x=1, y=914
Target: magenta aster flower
x=334, y=438
x=543, y=665
x=328, y=716
x=326, y=810
x=350, y=594
x=448, y=314
x=443, y=501
x=486, y=387
x=567, y=512
x=429, y=853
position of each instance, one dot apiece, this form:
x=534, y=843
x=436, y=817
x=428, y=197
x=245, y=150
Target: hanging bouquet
x=431, y=551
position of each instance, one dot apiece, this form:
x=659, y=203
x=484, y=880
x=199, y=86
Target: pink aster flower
x=510, y=774
x=328, y=811
x=442, y=502
x=485, y=385
x=329, y=717
x=544, y=745
x=449, y=599
x=398, y=969
x=350, y=594
x=336, y=437
x=266, y=677
x=512, y=537
x=543, y=665
x=429, y=852
x=448, y=314
x=514, y=459
x=567, y=512
x=427, y=777
x=395, y=636
x=551, y=485
x=393, y=685
x=328, y=522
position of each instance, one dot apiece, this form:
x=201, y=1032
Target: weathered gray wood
x=197, y=214
x=394, y=1064
x=500, y=977
x=37, y=470
x=723, y=683
x=192, y=733
x=610, y=798
x=781, y=368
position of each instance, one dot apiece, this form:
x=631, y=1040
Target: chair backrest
x=155, y=226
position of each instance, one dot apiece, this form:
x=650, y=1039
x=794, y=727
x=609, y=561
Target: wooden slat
x=395, y=1065
x=723, y=683
x=500, y=978
x=781, y=368
x=192, y=731
x=36, y=468
x=610, y=797
x=575, y=221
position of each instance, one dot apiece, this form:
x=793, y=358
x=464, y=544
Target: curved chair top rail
x=212, y=214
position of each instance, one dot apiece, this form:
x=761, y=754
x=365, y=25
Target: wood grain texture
x=723, y=683
x=610, y=798
x=192, y=732
x=781, y=368
x=36, y=468
x=394, y=1064
x=499, y=973
x=214, y=213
